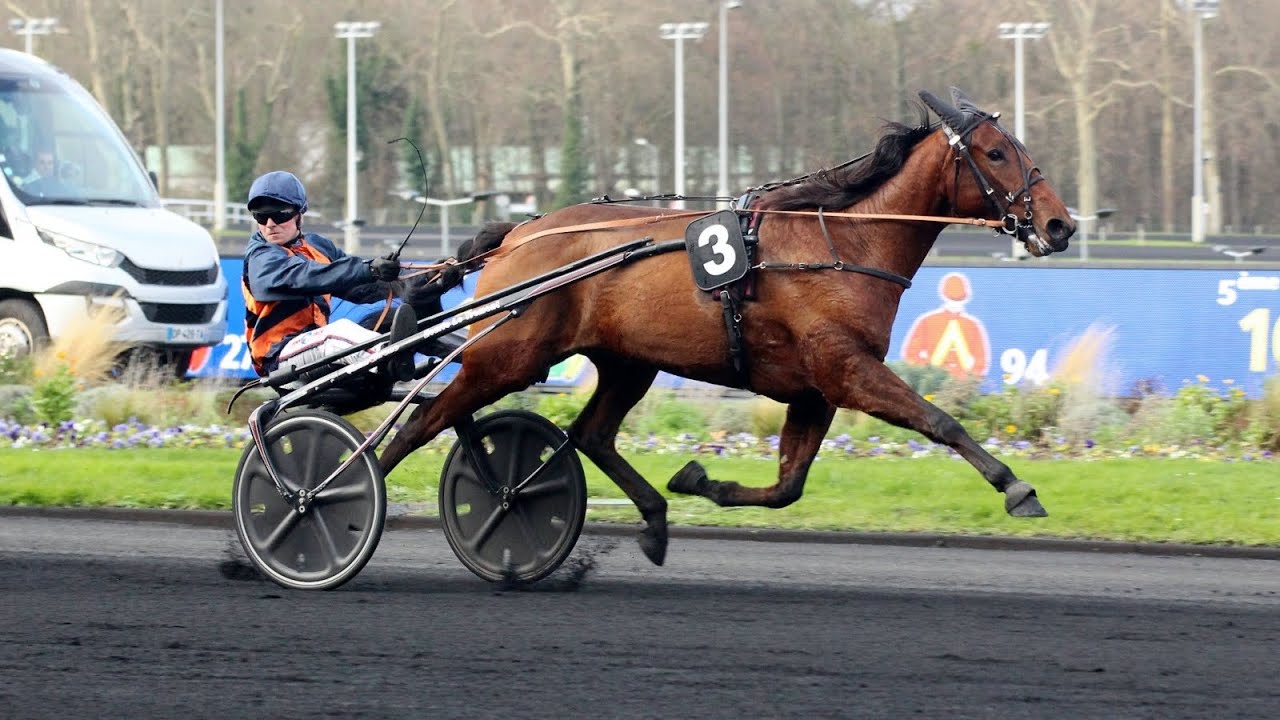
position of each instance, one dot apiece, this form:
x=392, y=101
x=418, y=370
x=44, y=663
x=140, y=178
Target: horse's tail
x=489, y=238
x=485, y=241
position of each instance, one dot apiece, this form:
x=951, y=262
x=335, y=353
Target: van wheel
x=151, y=363
x=22, y=328
x=179, y=362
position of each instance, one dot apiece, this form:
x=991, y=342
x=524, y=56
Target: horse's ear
x=963, y=103
x=950, y=116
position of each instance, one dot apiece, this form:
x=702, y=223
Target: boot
x=404, y=324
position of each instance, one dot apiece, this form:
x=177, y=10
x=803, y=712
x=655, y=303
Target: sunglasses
x=280, y=216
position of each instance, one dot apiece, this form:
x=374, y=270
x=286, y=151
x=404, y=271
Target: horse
x=814, y=340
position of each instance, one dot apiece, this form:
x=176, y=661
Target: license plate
x=186, y=334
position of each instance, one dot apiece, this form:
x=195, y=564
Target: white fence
x=201, y=211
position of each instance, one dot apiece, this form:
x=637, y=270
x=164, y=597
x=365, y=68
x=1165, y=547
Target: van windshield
x=57, y=147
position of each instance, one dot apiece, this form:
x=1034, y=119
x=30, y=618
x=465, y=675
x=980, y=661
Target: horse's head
x=996, y=178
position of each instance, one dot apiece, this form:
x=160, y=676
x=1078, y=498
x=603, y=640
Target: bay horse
x=815, y=341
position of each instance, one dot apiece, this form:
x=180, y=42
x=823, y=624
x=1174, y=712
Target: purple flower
x=1089, y=443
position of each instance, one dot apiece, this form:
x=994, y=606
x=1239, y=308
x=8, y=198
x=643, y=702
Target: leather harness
x=733, y=296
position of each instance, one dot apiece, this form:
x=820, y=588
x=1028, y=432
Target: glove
x=384, y=268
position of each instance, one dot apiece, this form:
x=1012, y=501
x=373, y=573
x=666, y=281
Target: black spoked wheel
x=330, y=541
x=512, y=497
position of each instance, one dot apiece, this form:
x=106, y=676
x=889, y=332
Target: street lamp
x=681, y=32
x=722, y=186
x=1017, y=32
x=444, y=206
x=220, y=127
x=1204, y=10
x=351, y=31
x=33, y=26
x=657, y=163
x=1083, y=222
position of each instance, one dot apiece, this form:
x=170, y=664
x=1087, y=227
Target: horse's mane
x=843, y=186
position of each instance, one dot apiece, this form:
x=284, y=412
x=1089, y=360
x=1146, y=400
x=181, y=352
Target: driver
x=289, y=278
x=42, y=168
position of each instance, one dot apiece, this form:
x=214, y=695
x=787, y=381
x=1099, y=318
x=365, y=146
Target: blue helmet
x=278, y=185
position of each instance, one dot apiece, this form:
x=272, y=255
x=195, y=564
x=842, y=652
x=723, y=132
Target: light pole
x=33, y=26
x=220, y=127
x=1204, y=10
x=1017, y=32
x=657, y=163
x=722, y=186
x=681, y=32
x=351, y=31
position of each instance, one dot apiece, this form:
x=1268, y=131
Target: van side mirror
x=155, y=179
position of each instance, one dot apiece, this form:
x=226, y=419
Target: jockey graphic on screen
x=948, y=337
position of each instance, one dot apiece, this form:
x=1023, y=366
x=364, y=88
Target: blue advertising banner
x=1157, y=328
x=1023, y=324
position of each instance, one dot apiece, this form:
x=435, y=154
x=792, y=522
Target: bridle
x=1012, y=224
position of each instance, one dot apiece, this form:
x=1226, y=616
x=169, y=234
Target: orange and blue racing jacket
x=286, y=291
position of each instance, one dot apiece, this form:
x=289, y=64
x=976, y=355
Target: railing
x=201, y=211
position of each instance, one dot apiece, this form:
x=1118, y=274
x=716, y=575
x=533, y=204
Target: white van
x=81, y=224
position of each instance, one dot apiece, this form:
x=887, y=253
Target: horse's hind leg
x=870, y=386
x=806, y=425
x=619, y=387
x=464, y=395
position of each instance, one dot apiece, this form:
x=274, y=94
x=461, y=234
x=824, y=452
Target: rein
x=648, y=220
x=835, y=264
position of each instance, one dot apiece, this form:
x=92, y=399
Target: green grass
x=1160, y=500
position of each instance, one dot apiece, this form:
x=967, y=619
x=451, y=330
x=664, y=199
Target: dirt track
x=110, y=619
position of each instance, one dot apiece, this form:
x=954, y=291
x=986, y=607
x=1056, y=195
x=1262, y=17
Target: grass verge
x=1136, y=500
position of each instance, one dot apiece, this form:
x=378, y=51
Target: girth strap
x=836, y=263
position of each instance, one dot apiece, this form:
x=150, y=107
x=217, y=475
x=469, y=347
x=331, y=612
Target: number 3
x=718, y=236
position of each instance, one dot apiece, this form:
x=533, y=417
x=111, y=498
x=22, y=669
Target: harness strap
x=385, y=309
x=836, y=263
x=733, y=324
x=873, y=272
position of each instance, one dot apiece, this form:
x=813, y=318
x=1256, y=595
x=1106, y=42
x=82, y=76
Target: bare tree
x=1108, y=90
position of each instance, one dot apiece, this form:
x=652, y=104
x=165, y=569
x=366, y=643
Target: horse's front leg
x=806, y=425
x=870, y=386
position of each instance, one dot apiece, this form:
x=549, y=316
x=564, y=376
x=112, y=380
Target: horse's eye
x=995, y=155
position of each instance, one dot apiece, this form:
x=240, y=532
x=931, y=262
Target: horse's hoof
x=1020, y=501
x=653, y=542
x=689, y=480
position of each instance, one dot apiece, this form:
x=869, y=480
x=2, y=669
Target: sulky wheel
x=338, y=529
x=512, y=496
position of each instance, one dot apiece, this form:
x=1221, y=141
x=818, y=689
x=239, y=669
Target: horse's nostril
x=1059, y=230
